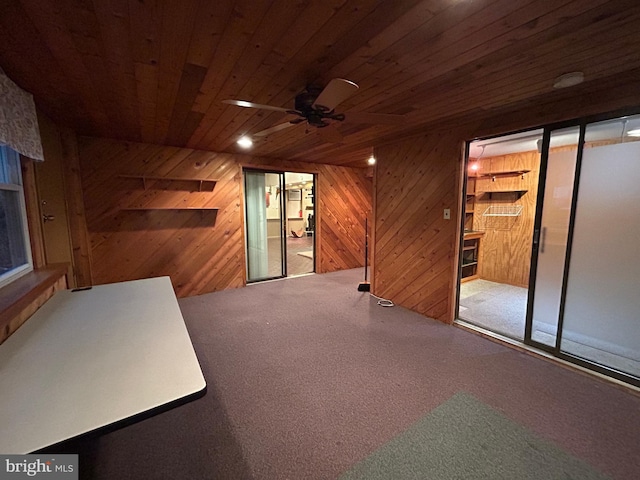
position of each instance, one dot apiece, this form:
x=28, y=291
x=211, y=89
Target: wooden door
x=52, y=203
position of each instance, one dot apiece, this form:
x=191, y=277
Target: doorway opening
x=279, y=224
x=500, y=208
x=546, y=255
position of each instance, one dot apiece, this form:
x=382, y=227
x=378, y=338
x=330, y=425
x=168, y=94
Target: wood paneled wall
x=415, y=254
x=414, y=246
x=506, y=244
x=415, y=259
x=201, y=250
x=344, y=201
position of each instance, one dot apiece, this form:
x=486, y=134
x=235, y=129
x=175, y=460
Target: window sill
x=22, y=297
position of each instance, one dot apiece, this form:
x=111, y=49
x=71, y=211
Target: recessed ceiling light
x=371, y=160
x=634, y=133
x=245, y=142
x=568, y=80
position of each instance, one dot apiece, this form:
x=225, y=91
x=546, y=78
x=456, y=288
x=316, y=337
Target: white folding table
x=95, y=359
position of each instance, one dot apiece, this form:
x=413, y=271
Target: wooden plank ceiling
x=156, y=71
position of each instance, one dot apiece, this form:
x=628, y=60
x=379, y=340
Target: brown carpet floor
x=308, y=376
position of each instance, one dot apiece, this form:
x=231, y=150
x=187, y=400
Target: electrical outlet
x=447, y=214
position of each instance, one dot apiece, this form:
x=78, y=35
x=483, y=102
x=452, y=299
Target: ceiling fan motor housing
x=315, y=115
x=304, y=101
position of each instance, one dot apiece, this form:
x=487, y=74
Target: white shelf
x=503, y=211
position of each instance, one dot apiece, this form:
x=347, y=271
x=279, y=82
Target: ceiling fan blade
x=277, y=128
x=378, y=118
x=242, y=103
x=336, y=91
x=330, y=134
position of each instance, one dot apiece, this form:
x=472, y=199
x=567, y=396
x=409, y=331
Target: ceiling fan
x=316, y=106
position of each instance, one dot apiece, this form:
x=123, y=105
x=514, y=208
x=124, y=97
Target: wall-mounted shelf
x=518, y=193
x=150, y=218
x=472, y=234
x=503, y=173
x=203, y=209
x=203, y=184
x=470, y=202
x=470, y=267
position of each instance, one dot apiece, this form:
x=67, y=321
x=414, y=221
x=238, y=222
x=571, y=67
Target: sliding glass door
x=551, y=233
x=550, y=227
x=264, y=225
x=280, y=224
x=583, y=302
x=601, y=318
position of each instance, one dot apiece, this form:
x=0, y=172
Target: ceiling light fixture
x=474, y=165
x=634, y=133
x=245, y=142
x=371, y=160
x=568, y=80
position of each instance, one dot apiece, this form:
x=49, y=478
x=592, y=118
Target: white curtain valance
x=18, y=121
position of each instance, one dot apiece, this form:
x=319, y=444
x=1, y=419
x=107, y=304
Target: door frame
x=283, y=217
x=283, y=213
x=314, y=178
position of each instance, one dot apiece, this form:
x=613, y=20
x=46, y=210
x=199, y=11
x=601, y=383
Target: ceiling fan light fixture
x=568, y=80
x=245, y=142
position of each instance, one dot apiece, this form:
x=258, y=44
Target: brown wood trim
x=460, y=201
x=316, y=235
x=285, y=167
x=317, y=212
x=372, y=224
x=82, y=261
x=21, y=298
x=473, y=235
x=243, y=206
x=33, y=212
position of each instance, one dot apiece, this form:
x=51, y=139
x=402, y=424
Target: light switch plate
x=447, y=214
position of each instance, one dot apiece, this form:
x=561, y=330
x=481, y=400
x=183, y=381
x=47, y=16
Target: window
x=15, y=251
